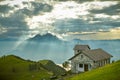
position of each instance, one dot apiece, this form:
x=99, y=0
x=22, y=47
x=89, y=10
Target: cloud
x=14, y=24
x=79, y=25
x=28, y=18
x=81, y=33
x=15, y=20
x=2, y=30
x=33, y=8
x=111, y=10
x=13, y=17
x=28, y=7
x=100, y=35
x=66, y=25
x=40, y=7
x=5, y=9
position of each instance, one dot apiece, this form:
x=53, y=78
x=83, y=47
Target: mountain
x=108, y=72
x=56, y=50
x=15, y=68
x=51, y=66
x=44, y=38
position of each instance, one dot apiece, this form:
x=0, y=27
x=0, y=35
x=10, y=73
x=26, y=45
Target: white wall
x=77, y=60
x=80, y=69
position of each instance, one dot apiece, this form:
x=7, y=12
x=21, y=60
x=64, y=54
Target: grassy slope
x=14, y=68
x=109, y=72
x=51, y=66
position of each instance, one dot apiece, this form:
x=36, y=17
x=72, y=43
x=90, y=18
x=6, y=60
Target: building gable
x=81, y=58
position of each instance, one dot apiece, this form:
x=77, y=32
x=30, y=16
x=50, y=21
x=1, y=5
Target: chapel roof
x=81, y=47
x=95, y=54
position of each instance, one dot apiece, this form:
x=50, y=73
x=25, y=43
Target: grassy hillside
x=16, y=68
x=109, y=72
x=51, y=66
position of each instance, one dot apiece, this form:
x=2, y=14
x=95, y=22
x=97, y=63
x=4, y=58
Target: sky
x=96, y=20
x=95, y=23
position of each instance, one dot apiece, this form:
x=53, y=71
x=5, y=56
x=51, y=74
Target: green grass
x=15, y=68
x=109, y=72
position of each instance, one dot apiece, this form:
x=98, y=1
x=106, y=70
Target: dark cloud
x=14, y=20
x=41, y=7
x=112, y=10
x=36, y=8
x=15, y=23
x=78, y=25
x=86, y=0
x=110, y=24
x=81, y=0
x=5, y=8
x=26, y=11
x=71, y=25
x=11, y=33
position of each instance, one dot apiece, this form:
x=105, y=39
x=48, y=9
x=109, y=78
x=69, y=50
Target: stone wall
x=80, y=59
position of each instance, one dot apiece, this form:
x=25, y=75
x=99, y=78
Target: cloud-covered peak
x=48, y=37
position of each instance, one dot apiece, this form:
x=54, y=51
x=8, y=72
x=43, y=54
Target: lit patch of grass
x=109, y=72
x=15, y=68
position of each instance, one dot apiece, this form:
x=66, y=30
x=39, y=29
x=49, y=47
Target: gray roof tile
x=95, y=54
x=81, y=47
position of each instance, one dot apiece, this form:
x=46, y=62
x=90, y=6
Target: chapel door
x=85, y=67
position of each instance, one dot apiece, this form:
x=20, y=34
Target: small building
x=85, y=59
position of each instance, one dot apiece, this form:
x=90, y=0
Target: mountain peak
x=46, y=37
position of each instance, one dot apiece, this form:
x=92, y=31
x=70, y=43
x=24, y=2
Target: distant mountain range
x=37, y=38
x=49, y=38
